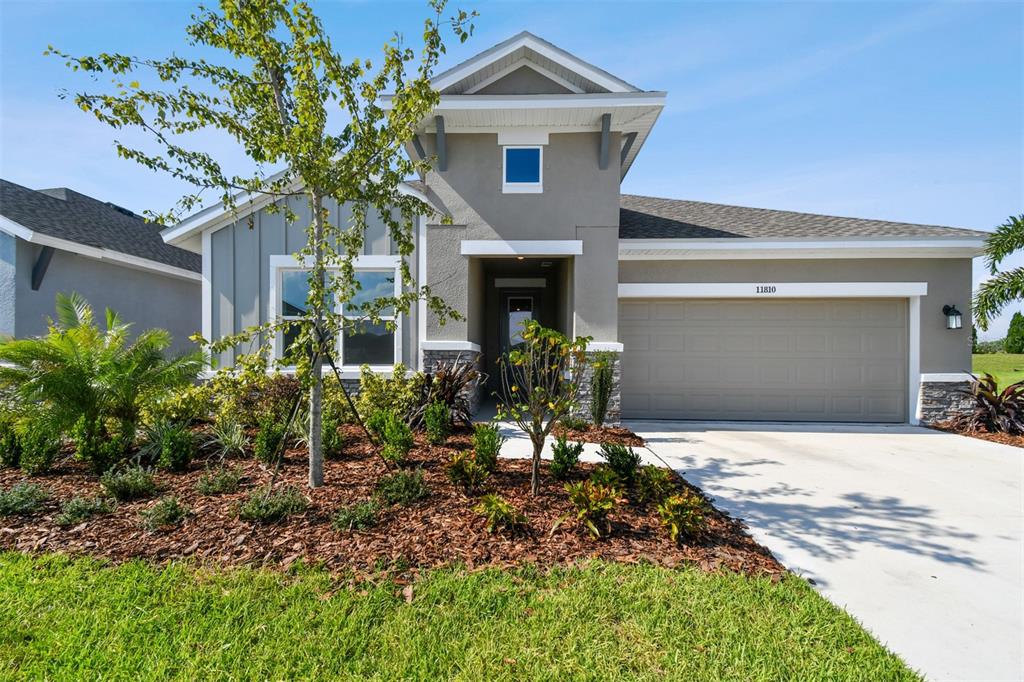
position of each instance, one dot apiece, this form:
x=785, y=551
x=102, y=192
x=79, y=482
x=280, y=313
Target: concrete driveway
x=916, y=533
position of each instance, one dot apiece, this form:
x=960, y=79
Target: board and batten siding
x=240, y=271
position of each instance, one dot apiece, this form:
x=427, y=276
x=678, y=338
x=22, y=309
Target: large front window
x=364, y=342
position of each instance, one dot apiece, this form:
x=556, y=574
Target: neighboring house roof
x=63, y=214
x=642, y=217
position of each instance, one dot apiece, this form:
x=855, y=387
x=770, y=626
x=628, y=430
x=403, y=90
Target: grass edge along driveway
x=64, y=618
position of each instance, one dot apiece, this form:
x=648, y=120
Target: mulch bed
x=439, y=530
x=600, y=434
x=1004, y=438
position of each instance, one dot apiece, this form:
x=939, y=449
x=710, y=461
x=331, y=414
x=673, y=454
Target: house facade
x=711, y=311
x=58, y=240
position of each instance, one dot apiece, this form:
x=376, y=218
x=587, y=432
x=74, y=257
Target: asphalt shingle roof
x=643, y=217
x=66, y=214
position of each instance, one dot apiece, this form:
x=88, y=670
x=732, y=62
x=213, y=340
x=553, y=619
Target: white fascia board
x=593, y=100
x=558, y=56
x=540, y=247
x=118, y=257
x=450, y=345
x=768, y=289
x=697, y=249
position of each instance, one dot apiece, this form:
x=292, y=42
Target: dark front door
x=518, y=308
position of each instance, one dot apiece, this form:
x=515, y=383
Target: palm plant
x=1003, y=287
x=79, y=370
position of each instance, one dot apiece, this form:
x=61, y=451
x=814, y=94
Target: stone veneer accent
x=431, y=358
x=941, y=400
x=614, y=414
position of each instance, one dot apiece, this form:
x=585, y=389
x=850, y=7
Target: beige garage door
x=841, y=360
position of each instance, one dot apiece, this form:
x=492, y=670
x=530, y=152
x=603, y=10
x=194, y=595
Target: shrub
x=221, y=481
x=10, y=447
x=80, y=509
x=394, y=433
x=573, y=423
x=39, y=449
x=682, y=515
x=397, y=393
x=487, y=442
x=332, y=440
x=467, y=472
x=176, y=448
x=1014, y=341
x=990, y=409
x=95, y=444
x=593, y=502
x=134, y=483
x=622, y=460
x=359, y=516
x=604, y=475
x=438, y=422
x=451, y=384
x=22, y=499
x=601, y=386
x=653, y=484
x=166, y=513
x=565, y=458
x=278, y=505
x=227, y=438
x=500, y=514
x=402, y=487
x=269, y=439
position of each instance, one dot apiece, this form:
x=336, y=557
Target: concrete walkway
x=916, y=533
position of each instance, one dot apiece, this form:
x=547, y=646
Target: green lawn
x=69, y=619
x=1007, y=368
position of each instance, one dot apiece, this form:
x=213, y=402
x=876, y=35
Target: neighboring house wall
x=8, y=287
x=579, y=202
x=129, y=291
x=949, y=282
x=241, y=274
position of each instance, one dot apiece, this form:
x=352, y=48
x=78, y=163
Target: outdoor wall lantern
x=954, y=320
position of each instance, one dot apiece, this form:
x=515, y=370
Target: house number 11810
x=766, y=289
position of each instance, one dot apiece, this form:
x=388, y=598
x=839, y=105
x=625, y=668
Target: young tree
x=1003, y=287
x=278, y=84
x=540, y=384
x=1014, y=341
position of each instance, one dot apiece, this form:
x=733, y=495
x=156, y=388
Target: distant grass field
x=1007, y=368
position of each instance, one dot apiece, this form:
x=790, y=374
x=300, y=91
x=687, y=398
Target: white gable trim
x=550, y=75
x=527, y=40
x=117, y=257
x=769, y=249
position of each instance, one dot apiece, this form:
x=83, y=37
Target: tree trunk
x=538, y=447
x=316, y=452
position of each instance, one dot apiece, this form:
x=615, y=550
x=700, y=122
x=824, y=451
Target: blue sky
x=900, y=111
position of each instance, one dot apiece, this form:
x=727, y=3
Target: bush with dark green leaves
x=1014, y=341
x=269, y=439
x=39, y=449
x=623, y=460
x=221, y=481
x=176, y=448
x=358, y=516
x=465, y=471
x=332, y=441
x=565, y=457
x=133, y=483
x=80, y=509
x=604, y=475
x=603, y=365
x=437, y=420
x=10, y=446
x=500, y=514
x=97, y=445
x=395, y=435
x=402, y=487
x=574, y=423
x=22, y=499
x=167, y=513
x=487, y=442
x=683, y=515
x=278, y=505
x=653, y=484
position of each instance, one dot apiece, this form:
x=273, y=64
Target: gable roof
x=65, y=215
x=642, y=217
x=526, y=49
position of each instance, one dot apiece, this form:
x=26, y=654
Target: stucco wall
x=240, y=267
x=8, y=267
x=949, y=282
x=143, y=298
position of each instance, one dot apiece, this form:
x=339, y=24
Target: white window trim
x=282, y=263
x=522, y=187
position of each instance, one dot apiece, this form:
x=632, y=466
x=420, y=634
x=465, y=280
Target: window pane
x=522, y=165
x=375, y=284
x=289, y=334
x=368, y=344
x=294, y=292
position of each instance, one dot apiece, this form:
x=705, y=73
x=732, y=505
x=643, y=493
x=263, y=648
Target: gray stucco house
x=57, y=240
x=714, y=311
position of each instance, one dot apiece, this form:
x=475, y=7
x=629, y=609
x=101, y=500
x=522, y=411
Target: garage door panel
x=817, y=360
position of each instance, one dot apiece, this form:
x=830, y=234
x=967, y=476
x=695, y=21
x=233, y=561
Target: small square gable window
x=522, y=170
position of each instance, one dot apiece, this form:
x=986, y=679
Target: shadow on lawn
x=828, y=531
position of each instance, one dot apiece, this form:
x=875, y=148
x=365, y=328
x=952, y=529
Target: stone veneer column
x=614, y=414
x=942, y=400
